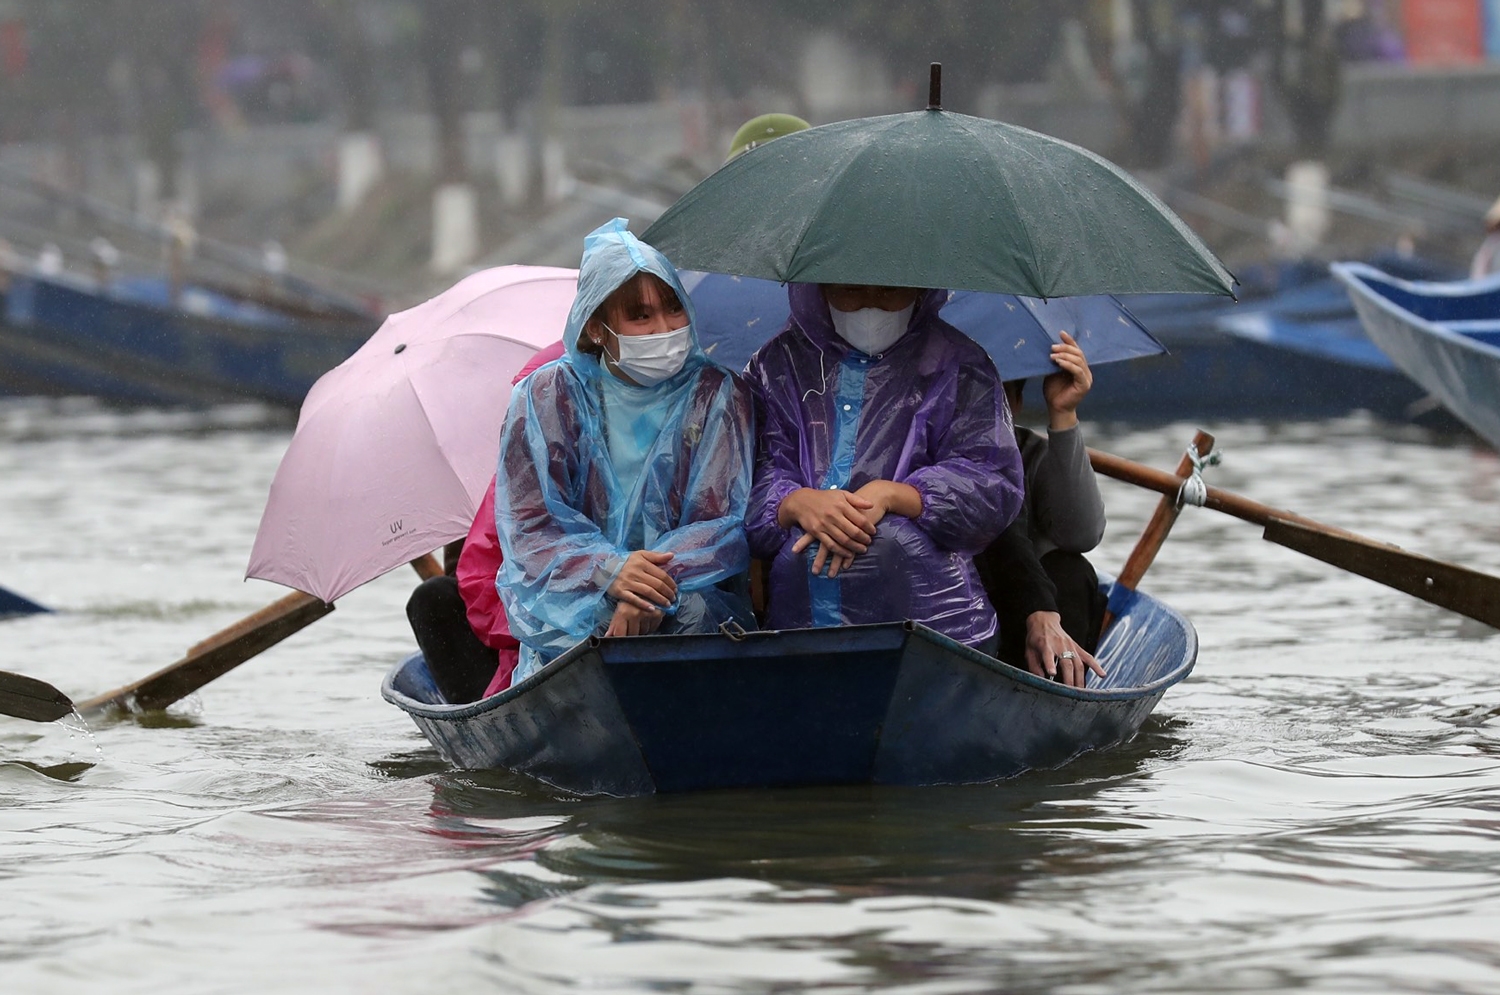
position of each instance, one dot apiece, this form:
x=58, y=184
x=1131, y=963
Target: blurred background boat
x=1292, y=347
x=151, y=313
x=1444, y=335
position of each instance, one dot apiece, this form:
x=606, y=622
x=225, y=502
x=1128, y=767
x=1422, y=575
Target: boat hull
x=880, y=704
x=1444, y=336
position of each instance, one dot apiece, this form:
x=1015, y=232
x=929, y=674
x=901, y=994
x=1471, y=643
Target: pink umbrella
x=396, y=446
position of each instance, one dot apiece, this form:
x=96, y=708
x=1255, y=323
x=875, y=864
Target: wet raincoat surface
x=928, y=412
x=565, y=519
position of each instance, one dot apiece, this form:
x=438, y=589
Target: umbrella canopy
x=936, y=199
x=395, y=446
x=737, y=315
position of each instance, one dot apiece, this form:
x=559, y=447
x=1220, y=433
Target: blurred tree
x=511, y=32
x=978, y=41
x=447, y=26
x=163, y=38
x=354, y=63
x=1306, y=72
x=61, y=87
x=1149, y=84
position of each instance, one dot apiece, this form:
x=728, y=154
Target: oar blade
x=28, y=698
x=1447, y=585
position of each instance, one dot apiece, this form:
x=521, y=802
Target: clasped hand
x=842, y=522
x=643, y=588
x=643, y=581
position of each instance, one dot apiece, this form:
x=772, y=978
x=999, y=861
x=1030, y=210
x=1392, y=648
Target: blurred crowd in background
x=405, y=140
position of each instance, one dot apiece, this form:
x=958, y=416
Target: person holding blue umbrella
x=1045, y=591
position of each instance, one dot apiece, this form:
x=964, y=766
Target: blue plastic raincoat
x=928, y=412
x=568, y=516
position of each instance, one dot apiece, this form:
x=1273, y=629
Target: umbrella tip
x=935, y=87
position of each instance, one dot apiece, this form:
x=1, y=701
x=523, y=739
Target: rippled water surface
x=1316, y=808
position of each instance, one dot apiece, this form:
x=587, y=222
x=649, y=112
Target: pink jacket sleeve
x=480, y=562
x=477, y=566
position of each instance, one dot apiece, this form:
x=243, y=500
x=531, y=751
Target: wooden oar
x=214, y=657
x=226, y=649
x=1160, y=524
x=29, y=698
x=1447, y=585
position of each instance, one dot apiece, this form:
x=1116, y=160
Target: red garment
x=479, y=563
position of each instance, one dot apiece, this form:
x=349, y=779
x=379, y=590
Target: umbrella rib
x=818, y=213
x=1031, y=253
x=431, y=428
x=1160, y=208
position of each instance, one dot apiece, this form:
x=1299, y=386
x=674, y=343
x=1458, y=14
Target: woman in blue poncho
x=624, y=469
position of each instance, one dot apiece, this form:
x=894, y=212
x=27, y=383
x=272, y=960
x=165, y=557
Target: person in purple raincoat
x=886, y=460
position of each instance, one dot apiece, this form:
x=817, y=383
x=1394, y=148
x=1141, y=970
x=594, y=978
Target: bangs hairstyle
x=626, y=298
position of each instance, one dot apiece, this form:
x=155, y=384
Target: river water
x=1316, y=808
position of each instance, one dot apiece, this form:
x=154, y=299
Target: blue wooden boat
x=132, y=340
x=877, y=704
x=1443, y=335
x=1292, y=347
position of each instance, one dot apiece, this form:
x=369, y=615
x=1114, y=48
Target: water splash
x=76, y=725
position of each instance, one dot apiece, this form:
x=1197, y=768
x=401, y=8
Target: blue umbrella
x=737, y=315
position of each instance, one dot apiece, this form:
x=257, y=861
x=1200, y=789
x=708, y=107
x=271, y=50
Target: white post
x=512, y=169
x=1307, y=203
x=556, y=183
x=455, y=226
x=361, y=166
x=147, y=190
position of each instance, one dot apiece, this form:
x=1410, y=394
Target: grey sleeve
x=1066, y=505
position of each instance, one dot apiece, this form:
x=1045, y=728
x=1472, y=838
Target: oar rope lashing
x=1193, y=490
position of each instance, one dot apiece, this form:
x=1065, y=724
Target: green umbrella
x=936, y=199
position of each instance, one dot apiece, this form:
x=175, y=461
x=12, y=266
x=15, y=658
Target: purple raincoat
x=928, y=412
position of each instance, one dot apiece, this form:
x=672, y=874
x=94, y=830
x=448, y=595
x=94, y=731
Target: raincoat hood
x=810, y=312
x=611, y=256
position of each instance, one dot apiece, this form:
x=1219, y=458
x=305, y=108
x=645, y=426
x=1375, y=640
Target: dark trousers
x=1079, y=601
x=461, y=665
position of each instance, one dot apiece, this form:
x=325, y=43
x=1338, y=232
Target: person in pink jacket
x=459, y=622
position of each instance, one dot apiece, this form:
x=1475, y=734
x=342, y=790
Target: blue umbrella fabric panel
x=1019, y=332
x=736, y=315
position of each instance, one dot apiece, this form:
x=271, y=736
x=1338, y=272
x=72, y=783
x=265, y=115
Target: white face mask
x=650, y=359
x=871, y=330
